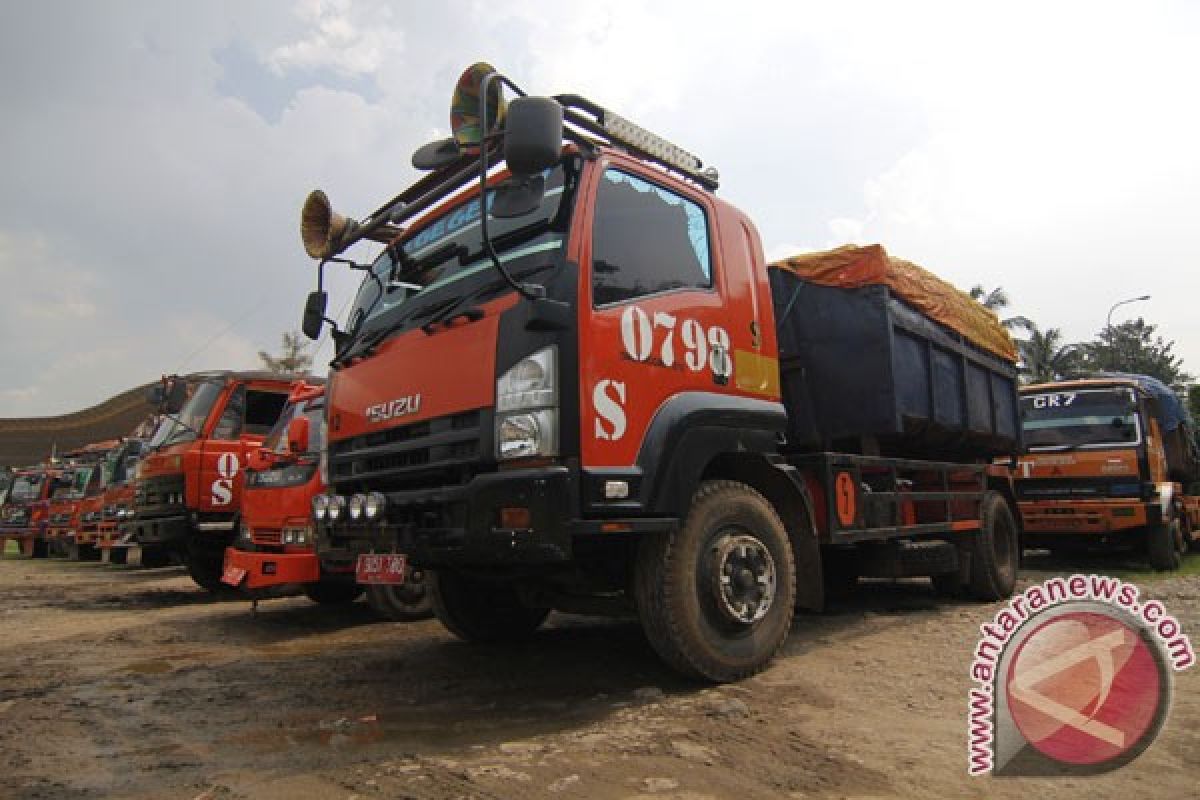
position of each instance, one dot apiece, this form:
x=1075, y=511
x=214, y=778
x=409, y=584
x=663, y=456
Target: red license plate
x=233, y=575
x=386, y=568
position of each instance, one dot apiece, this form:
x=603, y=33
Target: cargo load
x=1176, y=425
x=880, y=356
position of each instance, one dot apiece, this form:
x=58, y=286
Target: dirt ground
x=124, y=682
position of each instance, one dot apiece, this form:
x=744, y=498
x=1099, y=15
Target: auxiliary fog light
x=320, y=506
x=337, y=507
x=374, y=505
x=356, y=506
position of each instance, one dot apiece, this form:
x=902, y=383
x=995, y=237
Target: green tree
x=1133, y=347
x=1045, y=358
x=294, y=359
x=996, y=300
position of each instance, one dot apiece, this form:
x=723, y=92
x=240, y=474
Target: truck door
x=655, y=317
x=245, y=418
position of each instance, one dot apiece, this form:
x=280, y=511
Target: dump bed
x=863, y=370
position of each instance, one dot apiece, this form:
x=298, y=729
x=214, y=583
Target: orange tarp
x=851, y=267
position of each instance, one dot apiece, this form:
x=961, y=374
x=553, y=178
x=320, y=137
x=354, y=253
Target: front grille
x=153, y=495
x=1078, y=488
x=445, y=451
x=267, y=537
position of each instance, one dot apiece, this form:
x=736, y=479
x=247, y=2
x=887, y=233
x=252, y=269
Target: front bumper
x=461, y=525
x=273, y=569
x=1051, y=517
x=160, y=531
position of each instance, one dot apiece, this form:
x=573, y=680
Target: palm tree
x=996, y=300
x=1045, y=358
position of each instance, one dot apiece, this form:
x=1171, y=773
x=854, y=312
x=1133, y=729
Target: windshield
x=1085, y=418
x=192, y=415
x=276, y=441
x=517, y=241
x=79, y=482
x=26, y=488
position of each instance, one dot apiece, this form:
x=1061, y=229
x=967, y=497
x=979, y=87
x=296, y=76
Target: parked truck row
x=570, y=380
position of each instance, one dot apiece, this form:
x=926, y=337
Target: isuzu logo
x=400, y=407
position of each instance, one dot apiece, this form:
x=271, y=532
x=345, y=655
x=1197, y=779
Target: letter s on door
x=608, y=398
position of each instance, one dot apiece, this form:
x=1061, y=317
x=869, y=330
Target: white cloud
x=337, y=39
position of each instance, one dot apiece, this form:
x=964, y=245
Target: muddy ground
x=124, y=682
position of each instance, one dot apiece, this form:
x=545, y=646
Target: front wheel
x=205, y=565
x=407, y=602
x=995, y=551
x=1165, y=545
x=716, y=597
x=482, y=611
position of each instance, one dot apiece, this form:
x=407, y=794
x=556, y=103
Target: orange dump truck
x=25, y=514
x=1107, y=464
x=98, y=512
x=276, y=548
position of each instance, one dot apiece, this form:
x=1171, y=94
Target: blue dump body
x=862, y=371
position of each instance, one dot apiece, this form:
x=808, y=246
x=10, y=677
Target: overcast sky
x=155, y=154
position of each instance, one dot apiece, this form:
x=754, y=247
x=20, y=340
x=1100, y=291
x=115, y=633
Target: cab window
x=646, y=240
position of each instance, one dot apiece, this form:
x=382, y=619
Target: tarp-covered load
x=1176, y=425
x=878, y=356
x=852, y=267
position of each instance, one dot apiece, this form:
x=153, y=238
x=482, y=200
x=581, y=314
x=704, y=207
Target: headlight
x=531, y=434
x=356, y=506
x=531, y=387
x=531, y=383
x=320, y=505
x=374, y=505
x=289, y=536
x=337, y=507
x=245, y=535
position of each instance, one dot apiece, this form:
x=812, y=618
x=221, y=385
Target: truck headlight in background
x=374, y=505
x=527, y=407
x=320, y=506
x=357, y=502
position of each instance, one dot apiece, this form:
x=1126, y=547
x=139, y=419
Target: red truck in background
x=25, y=514
x=570, y=381
x=98, y=510
x=188, y=491
x=85, y=470
x=277, y=546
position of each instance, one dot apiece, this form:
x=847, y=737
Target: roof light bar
x=626, y=132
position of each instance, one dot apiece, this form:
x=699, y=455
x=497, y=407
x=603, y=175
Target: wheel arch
x=784, y=489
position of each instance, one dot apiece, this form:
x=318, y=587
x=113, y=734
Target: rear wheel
x=994, y=551
x=482, y=611
x=1164, y=545
x=407, y=602
x=333, y=593
x=716, y=597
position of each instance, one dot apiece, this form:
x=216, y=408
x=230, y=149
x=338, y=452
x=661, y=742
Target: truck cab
x=25, y=514
x=116, y=502
x=1106, y=465
x=187, y=497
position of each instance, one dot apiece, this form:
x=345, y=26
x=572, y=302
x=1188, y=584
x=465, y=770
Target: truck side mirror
x=297, y=435
x=533, y=131
x=314, y=314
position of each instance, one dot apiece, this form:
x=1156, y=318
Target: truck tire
x=205, y=566
x=406, y=603
x=40, y=549
x=716, y=597
x=481, y=611
x=118, y=555
x=333, y=593
x=1164, y=545
x=994, y=551
x=152, y=557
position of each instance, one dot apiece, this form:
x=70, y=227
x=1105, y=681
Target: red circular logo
x=1084, y=688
